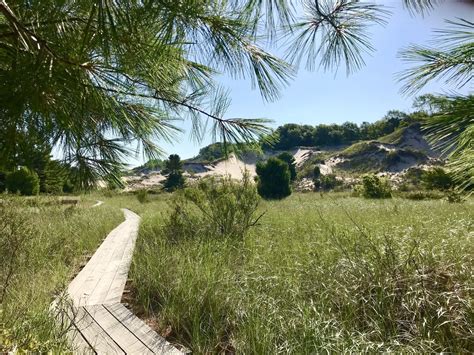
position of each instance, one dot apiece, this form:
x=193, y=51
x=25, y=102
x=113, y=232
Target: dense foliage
x=325, y=182
x=437, y=178
x=23, y=181
x=290, y=160
x=273, y=179
x=375, y=187
x=174, y=173
x=293, y=135
x=219, y=150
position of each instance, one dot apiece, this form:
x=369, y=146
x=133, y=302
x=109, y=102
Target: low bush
x=3, y=176
x=326, y=182
x=375, y=187
x=454, y=196
x=214, y=209
x=23, y=181
x=422, y=195
x=437, y=178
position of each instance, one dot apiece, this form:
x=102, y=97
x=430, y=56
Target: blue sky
x=319, y=97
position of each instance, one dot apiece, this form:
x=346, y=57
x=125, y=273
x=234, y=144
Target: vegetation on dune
x=293, y=135
x=316, y=274
x=219, y=150
x=375, y=187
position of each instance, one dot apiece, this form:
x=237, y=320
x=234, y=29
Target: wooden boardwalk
x=100, y=323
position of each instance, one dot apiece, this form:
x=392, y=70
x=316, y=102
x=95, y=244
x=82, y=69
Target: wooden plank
x=153, y=340
x=79, y=343
x=123, y=336
x=103, y=279
x=100, y=323
x=98, y=339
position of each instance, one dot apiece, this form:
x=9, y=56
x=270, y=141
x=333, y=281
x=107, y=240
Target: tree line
x=293, y=135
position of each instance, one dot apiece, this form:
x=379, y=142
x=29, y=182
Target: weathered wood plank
x=103, y=279
x=153, y=340
x=95, y=335
x=100, y=323
x=124, y=337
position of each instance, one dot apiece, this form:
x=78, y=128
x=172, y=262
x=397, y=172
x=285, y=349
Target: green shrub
x=214, y=208
x=326, y=182
x=436, y=178
x=273, y=179
x=24, y=181
x=142, y=196
x=290, y=160
x=392, y=157
x=375, y=187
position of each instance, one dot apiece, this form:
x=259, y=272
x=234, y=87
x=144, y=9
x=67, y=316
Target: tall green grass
x=330, y=273
x=42, y=244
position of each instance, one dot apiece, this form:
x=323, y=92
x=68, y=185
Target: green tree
x=174, y=170
x=24, y=181
x=273, y=179
x=290, y=160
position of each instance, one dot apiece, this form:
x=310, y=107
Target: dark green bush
x=422, y=195
x=436, y=178
x=24, y=181
x=392, y=157
x=273, y=179
x=375, y=187
x=290, y=160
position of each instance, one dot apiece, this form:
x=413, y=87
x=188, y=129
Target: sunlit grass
x=329, y=273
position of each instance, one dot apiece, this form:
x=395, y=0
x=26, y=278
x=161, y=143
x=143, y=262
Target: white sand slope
x=233, y=167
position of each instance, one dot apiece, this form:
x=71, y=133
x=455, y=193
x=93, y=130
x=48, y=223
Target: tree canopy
x=96, y=78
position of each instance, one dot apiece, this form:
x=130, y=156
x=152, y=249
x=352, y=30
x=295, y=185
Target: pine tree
x=174, y=170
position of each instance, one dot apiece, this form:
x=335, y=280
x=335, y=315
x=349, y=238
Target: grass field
x=331, y=273
x=317, y=273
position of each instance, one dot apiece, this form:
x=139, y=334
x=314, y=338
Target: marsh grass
x=42, y=244
x=330, y=273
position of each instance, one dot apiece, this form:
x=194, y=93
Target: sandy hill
x=403, y=149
